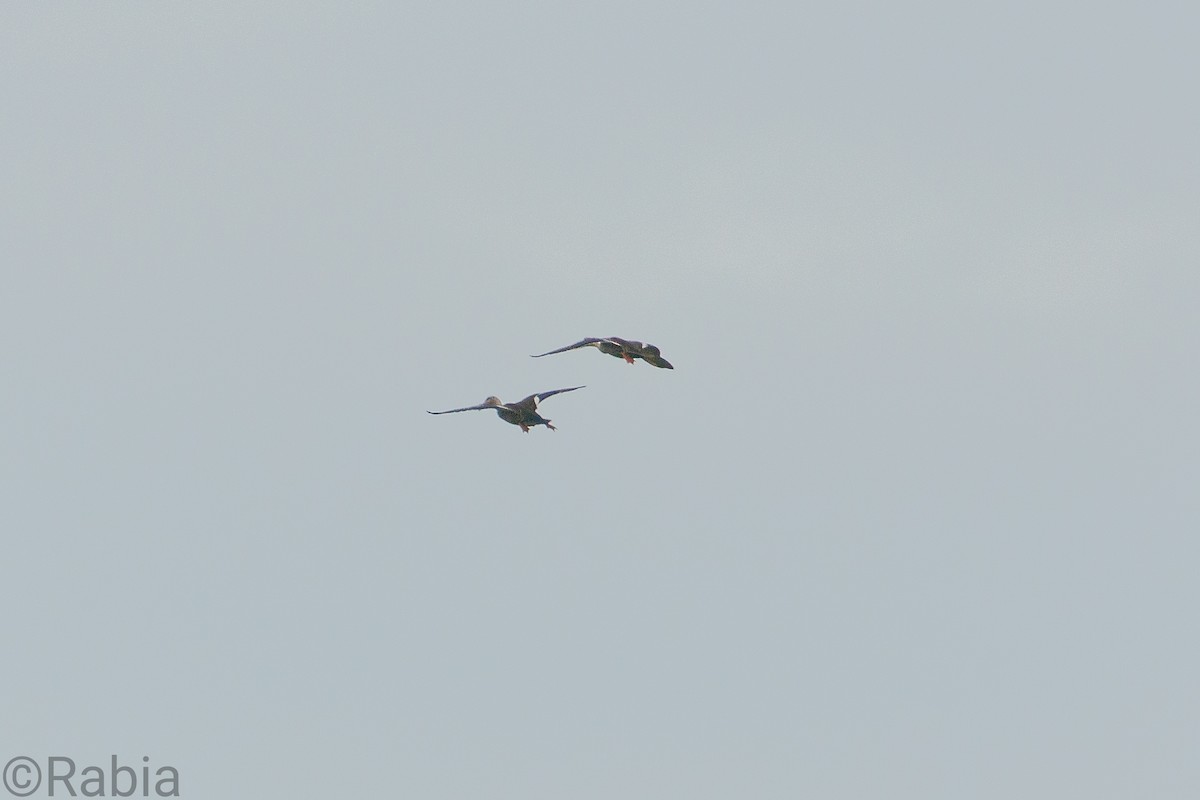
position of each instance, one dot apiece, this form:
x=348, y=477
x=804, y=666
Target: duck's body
x=619, y=348
x=522, y=413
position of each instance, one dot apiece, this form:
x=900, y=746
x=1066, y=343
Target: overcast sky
x=914, y=516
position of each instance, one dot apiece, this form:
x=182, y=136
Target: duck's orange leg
x=628, y=358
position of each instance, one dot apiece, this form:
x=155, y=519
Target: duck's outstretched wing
x=581, y=343
x=652, y=355
x=531, y=402
x=480, y=407
x=543, y=395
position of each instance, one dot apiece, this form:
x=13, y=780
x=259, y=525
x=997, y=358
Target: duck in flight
x=620, y=348
x=523, y=413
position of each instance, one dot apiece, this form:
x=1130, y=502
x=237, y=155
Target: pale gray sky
x=914, y=516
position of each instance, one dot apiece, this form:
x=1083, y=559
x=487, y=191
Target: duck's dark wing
x=543, y=395
x=581, y=343
x=652, y=355
x=480, y=407
x=658, y=361
x=531, y=403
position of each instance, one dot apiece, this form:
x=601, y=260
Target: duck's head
x=493, y=401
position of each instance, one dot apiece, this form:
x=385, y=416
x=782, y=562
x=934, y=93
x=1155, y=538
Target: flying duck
x=620, y=348
x=522, y=413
